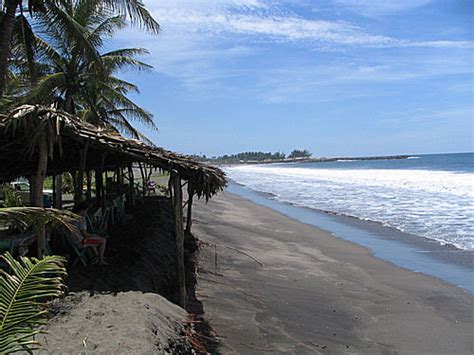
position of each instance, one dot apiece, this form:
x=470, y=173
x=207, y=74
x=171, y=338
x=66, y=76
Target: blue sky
x=337, y=77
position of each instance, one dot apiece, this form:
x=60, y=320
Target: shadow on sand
x=142, y=257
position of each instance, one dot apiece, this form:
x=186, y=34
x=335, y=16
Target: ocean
x=430, y=196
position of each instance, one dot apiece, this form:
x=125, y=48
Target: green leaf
x=23, y=294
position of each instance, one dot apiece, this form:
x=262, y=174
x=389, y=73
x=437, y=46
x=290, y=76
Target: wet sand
x=316, y=293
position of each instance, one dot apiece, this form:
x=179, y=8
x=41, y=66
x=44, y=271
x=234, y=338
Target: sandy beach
x=316, y=293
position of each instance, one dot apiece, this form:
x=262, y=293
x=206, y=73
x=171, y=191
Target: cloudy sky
x=337, y=77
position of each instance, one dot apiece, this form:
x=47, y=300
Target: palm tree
x=133, y=9
x=82, y=81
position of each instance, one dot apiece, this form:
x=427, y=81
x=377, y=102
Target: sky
x=336, y=77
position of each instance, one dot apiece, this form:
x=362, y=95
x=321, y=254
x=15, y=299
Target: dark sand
x=317, y=293
x=125, y=307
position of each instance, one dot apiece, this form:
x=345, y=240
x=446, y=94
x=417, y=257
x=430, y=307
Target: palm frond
x=37, y=218
x=137, y=13
x=27, y=38
x=46, y=89
x=120, y=62
x=62, y=23
x=23, y=294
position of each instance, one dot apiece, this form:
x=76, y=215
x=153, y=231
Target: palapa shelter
x=38, y=141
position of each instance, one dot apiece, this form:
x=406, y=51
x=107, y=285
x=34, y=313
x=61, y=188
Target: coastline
x=311, y=159
x=412, y=252
x=317, y=293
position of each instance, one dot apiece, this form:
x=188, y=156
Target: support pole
x=144, y=183
x=178, y=222
x=80, y=174
x=57, y=191
x=99, y=187
x=89, y=185
x=38, y=182
x=100, y=181
x=131, y=186
x=189, y=216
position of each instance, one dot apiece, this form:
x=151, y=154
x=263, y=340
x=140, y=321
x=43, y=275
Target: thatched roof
x=66, y=135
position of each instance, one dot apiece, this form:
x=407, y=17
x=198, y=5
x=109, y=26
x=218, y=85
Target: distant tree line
x=254, y=156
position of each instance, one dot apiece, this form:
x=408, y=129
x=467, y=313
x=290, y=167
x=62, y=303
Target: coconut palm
x=81, y=83
x=23, y=294
x=133, y=9
x=37, y=218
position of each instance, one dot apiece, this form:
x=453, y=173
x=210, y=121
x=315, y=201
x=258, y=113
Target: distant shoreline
x=313, y=160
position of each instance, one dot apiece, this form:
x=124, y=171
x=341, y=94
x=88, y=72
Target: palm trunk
x=6, y=30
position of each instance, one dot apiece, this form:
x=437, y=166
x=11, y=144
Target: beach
x=269, y=283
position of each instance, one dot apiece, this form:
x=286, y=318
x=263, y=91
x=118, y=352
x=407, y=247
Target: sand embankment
x=125, y=307
x=317, y=293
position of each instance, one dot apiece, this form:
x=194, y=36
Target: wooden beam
x=179, y=233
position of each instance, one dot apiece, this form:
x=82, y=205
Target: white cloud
x=204, y=43
x=333, y=82
x=381, y=7
x=259, y=21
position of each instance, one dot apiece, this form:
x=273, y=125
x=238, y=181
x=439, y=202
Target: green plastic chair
x=81, y=252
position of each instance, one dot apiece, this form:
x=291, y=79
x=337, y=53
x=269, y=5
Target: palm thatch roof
x=66, y=135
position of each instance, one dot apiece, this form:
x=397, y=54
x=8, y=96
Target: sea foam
x=438, y=205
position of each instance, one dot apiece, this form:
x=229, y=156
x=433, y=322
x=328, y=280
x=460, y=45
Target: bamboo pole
x=178, y=222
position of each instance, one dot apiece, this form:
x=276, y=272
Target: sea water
x=431, y=196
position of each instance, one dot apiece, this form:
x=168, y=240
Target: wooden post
x=40, y=175
x=99, y=187
x=89, y=185
x=189, y=216
x=178, y=222
x=118, y=174
x=57, y=191
x=142, y=173
x=80, y=174
x=131, y=186
x=100, y=181
x=38, y=183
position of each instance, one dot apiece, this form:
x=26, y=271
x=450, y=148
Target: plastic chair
x=79, y=250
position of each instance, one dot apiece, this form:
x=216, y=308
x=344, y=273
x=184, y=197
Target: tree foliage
x=65, y=65
x=299, y=154
x=23, y=294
